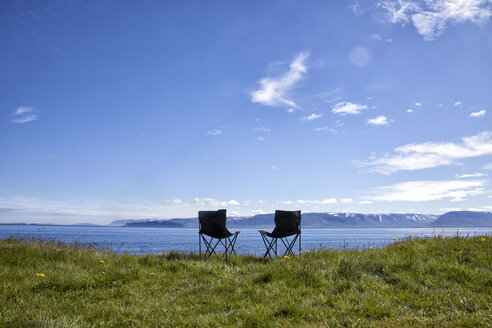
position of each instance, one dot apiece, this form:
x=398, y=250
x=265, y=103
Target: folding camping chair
x=213, y=224
x=287, y=223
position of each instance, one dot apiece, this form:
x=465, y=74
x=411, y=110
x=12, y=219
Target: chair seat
x=227, y=234
x=274, y=234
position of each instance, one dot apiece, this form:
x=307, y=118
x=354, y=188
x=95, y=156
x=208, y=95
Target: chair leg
x=269, y=246
x=210, y=250
x=232, y=243
x=289, y=245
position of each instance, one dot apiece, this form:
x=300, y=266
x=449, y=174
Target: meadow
x=432, y=282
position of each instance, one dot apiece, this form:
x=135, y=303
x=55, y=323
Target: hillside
x=464, y=219
x=436, y=282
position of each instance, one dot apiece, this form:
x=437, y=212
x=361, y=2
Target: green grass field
x=445, y=282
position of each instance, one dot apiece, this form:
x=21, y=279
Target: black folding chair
x=213, y=224
x=287, y=223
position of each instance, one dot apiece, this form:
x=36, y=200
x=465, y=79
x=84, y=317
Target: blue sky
x=158, y=109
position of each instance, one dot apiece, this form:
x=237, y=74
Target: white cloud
x=25, y=119
x=22, y=110
x=312, y=117
x=274, y=167
x=376, y=36
x=273, y=91
x=312, y=202
x=431, y=17
x=440, y=105
x=291, y=110
x=346, y=200
x=417, y=191
x=471, y=175
x=23, y=209
x=409, y=110
x=478, y=114
x=261, y=129
x=174, y=201
x=488, y=167
x=418, y=104
x=260, y=139
x=21, y=115
x=359, y=56
x=325, y=128
x=431, y=154
x=258, y=211
x=365, y=202
x=345, y=107
x=380, y=120
x=379, y=37
x=214, y=132
x=457, y=103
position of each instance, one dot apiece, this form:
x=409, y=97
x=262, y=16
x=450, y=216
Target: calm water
x=156, y=240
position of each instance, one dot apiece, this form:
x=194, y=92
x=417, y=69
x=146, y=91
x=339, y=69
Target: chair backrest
x=213, y=223
x=287, y=222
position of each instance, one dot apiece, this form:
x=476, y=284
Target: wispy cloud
x=325, y=128
x=217, y=131
x=24, y=114
x=456, y=104
x=409, y=110
x=471, y=175
x=23, y=110
x=312, y=117
x=380, y=120
x=418, y=104
x=325, y=201
x=418, y=191
x=431, y=154
x=25, y=119
x=274, y=90
x=261, y=129
x=345, y=108
x=478, y=114
x=379, y=37
x=214, y=132
x=359, y=56
x=431, y=17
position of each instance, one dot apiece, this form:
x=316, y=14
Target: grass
x=435, y=282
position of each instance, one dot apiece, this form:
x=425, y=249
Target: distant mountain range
x=464, y=219
x=336, y=220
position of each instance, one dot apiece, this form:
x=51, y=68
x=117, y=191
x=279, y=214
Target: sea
x=158, y=240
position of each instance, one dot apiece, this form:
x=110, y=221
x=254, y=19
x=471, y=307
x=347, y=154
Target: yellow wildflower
x=394, y=238
x=307, y=250
x=371, y=247
x=40, y=275
x=483, y=239
x=286, y=257
x=101, y=261
x=300, y=252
